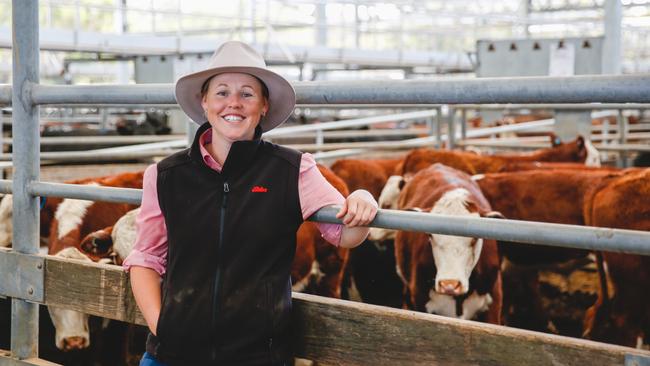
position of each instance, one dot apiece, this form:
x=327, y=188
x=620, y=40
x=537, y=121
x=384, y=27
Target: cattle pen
x=327, y=331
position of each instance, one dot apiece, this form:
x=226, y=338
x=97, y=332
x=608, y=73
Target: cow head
x=6, y=217
x=388, y=200
x=454, y=256
x=124, y=234
x=71, y=326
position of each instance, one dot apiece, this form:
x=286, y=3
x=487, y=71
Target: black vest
x=231, y=239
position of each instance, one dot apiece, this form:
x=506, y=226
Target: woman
x=218, y=222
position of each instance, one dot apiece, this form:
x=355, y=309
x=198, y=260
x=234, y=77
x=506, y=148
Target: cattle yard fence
x=328, y=330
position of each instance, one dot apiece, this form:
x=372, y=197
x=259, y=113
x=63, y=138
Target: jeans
x=149, y=360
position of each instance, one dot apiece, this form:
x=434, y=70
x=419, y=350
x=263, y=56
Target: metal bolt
x=39, y=266
x=30, y=291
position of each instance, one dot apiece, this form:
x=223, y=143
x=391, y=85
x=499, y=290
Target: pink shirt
x=150, y=248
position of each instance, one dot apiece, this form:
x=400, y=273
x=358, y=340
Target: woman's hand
x=359, y=209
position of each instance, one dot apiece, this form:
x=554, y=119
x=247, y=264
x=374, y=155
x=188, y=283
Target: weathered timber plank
x=91, y=288
x=335, y=332
x=6, y=360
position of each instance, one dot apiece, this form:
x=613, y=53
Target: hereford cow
x=558, y=156
x=615, y=199
x=73, y=220
x=579, y=150
x=448, y=275
x=371, y=267
x=48, y=208
x=319, y=266
x=624, y=318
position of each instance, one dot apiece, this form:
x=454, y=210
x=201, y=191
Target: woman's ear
x=265, y=108
x=204, y=103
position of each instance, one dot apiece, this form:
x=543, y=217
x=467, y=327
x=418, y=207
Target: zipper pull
x=226, y=188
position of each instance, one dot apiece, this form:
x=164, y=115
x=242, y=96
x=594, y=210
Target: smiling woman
x=218, y=222
x=233, y=103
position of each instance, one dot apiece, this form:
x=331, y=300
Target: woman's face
x=234, y=104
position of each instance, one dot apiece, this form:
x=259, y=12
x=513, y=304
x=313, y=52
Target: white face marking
x=314, y=274
x=477, y=177
x=6, y=223
x=69, y=323
x=124, y=233
x=70, y=214
x=593, y=156
x=398, y=270
x=445, y=305
x=454, y=256
x=387, y=200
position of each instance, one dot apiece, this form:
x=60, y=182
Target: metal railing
x=27, y=95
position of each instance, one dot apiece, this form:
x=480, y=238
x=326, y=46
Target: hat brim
x=282, y=97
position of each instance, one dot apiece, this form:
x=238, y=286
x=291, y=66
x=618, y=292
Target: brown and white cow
x=48, y=208
x=559, y=156
x=73, y=220
x=443, y=274
x=580, y=150
x=624, y=318
x=319, y=266
x=617, y=199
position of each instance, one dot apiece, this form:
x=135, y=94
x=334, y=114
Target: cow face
x=71, y=326
x=388, y=200
x=593, y=156
x=6, y=224
x=454, y=256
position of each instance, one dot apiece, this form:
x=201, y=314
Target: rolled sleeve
x=315, y=193
x=150, y=248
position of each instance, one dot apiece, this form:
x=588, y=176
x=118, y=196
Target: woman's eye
x=247, y=95
x=222, y=93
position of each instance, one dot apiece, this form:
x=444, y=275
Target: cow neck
x=240, y=156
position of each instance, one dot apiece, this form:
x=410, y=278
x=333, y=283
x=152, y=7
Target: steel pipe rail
x=90, y=156
x=590, y=238
x=85, y=192
x=574, y=89
x=540, y=145
x=581, y=237
x=103, y=94
x=351, y=123
x=580, y=106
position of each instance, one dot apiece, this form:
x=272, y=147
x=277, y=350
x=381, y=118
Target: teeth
x=232, y=118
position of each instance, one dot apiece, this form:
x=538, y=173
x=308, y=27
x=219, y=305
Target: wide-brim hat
x=234, y=56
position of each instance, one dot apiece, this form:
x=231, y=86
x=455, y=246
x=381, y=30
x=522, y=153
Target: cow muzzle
x=450, y=287
x=74, y=343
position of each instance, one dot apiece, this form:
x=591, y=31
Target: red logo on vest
x=259, y=189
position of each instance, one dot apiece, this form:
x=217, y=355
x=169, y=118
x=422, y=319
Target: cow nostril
x=450, y=287
x=74, y=343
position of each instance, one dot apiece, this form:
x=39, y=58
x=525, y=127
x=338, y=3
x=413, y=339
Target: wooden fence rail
x=337, y=332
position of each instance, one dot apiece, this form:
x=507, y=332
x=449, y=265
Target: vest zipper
x=217, y=276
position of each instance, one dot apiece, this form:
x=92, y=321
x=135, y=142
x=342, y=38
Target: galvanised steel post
x=451, y=129
x=24, y=315
x=463, y=125
x=622, y=138
x=438, y=127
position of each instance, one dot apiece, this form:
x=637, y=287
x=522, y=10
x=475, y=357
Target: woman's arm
x=145, y=284
x=358, y=210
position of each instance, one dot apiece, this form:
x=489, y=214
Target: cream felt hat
x=234, y=56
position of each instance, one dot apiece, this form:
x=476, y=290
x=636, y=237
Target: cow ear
x=555, y=140
x=494, y=215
